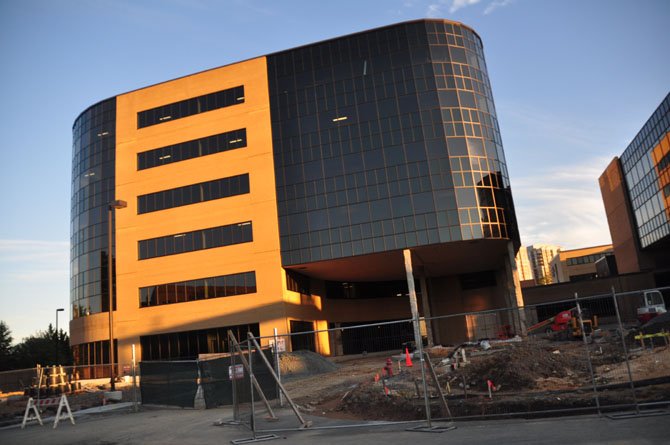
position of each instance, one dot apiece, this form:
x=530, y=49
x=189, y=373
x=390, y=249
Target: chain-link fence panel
x=524, y=361
x=644, y=334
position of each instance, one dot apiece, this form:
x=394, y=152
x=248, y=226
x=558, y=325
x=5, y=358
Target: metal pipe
x=417, y=331
x=293, y=406
x=117, y=204
x=57, y=337
x=278, y=368
x=625, y=350
x=252, y=419
x=110, y=296
x=588, y=354
x=135, y=407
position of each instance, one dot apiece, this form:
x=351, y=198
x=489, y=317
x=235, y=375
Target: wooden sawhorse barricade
x=33, y=406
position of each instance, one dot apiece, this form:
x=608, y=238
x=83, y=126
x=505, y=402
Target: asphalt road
x=188, y=426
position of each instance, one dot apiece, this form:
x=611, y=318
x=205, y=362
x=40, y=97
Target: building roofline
x=589, y=247
x=629, y=146
x=407, y=22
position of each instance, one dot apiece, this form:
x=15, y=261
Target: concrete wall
x=598, y=286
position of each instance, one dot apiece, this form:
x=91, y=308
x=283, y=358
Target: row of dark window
x=194, y=193
x=648, y=136
x=192, y=149
x=189, y=344
x=200, y=289
x=664, y=162
x=297, y=282
x=586, y=259
x=93, y=353
x=196, y=240
x=189, y=107
x=366, y=289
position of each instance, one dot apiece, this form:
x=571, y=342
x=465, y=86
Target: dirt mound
x=369, y=402
x=520, y=366
x=303, y=363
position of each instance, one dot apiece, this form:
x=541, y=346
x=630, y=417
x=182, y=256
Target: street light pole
x=57, y=339
x=117, y=204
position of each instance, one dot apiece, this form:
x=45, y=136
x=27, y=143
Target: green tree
x=45, y=348
x=6, y=353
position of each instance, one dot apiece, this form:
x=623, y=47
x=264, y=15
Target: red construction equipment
x=566, y=324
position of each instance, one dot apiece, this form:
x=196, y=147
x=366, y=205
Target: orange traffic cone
x=408, y=359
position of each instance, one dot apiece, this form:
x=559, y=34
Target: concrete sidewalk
x=187, y=426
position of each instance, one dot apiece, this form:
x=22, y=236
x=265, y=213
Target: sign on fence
x=236, y=372
x=281, y=344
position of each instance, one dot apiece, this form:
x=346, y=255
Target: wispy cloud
x=24, y=260
x=436, y=9
x=460, y=4
x=495, y=5
x=564, y=129
x=562, y=205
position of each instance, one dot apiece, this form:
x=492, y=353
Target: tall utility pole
x=118, y=204
x=57, y=339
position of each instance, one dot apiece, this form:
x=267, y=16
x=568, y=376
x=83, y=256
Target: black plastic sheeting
x=217, y=386
x=176, y=383
x=169, y=383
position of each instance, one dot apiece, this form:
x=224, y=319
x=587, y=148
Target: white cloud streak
x=495, y=5
x=32, y=260
x=460, y=4
x=34, y=277
x=562, y=205
x=435, y=9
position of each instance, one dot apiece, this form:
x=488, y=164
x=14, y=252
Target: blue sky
x=573, y=82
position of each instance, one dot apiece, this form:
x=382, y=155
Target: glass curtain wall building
x=93, y=155
x=646, y=167
x=636, y=193
x=280, y=192
x=386, y=140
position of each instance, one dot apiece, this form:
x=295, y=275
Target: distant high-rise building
x=636, y=194
x=523, y=264
x=540, y=259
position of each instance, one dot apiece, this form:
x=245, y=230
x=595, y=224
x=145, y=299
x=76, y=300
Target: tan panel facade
x=259, y=206
x=659, y=153
x=576, y=262
x=619, y=219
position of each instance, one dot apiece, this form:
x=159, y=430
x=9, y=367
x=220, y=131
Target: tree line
x=44, y=347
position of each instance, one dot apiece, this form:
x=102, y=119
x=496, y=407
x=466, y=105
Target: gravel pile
x=304, y=363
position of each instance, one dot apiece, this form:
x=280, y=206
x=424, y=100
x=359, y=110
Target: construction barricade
x=33, y=410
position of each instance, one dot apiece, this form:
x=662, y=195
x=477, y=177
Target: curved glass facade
x=94, y=141
x=384, y=140
x=646, y=165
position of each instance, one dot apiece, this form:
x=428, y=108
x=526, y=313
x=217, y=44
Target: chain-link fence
x=590, y=354
x=594, y=354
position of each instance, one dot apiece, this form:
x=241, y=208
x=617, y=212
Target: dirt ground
x=524, y=376
x=529, y=376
